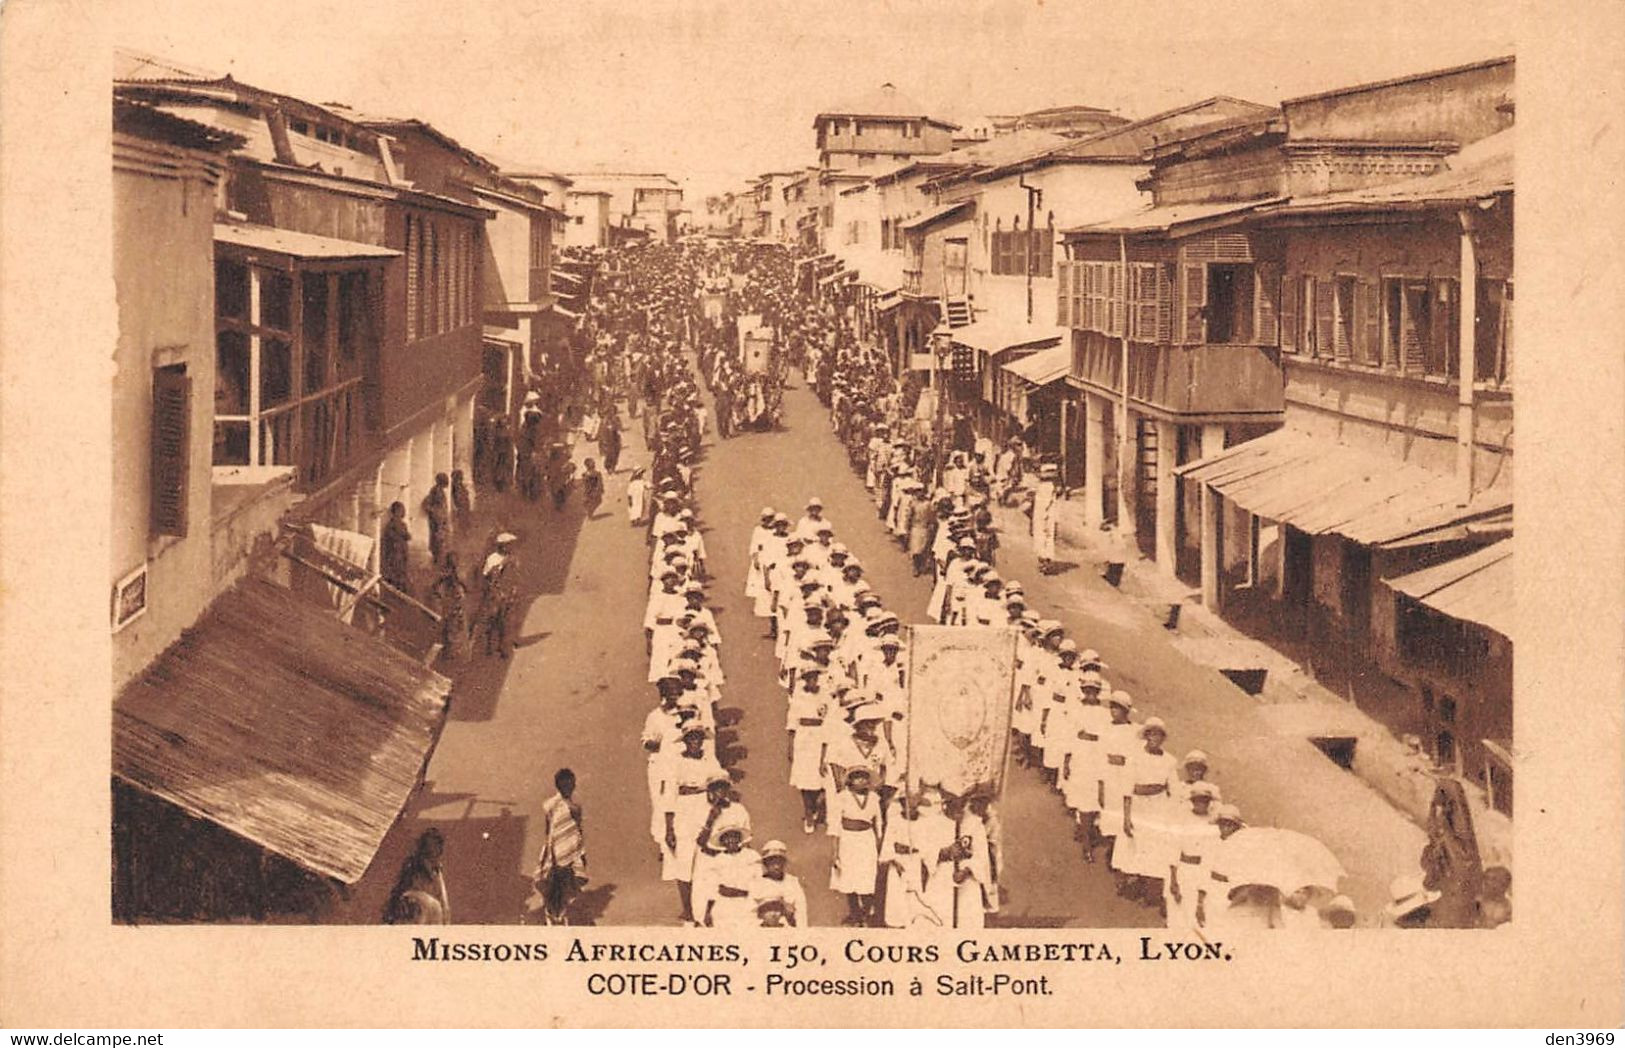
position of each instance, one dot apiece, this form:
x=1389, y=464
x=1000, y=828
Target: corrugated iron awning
x=1168, y=216
x=1319, y=486
x=1043, y=367
x=250, y=237
x=281, y=724
x=938, y=215
x=1475, y=588
x=992, y=336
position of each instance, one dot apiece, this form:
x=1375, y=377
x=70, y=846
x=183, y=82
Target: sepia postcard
x=861, y=514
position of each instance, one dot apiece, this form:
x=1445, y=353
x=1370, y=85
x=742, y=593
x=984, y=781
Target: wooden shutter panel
x=171, y=447
x=1165, y=303
x=1266, y=303
x=1288, y=339
x=1193, y=326
x=1063, y=302
x=1410, y=339
x=1325, y=316
x=1368, y=295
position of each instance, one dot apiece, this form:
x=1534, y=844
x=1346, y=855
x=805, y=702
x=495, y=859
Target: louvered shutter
x=1193, y=329
x=1063, y=302
x=1343, y=314
x=1118, y=299
x=1325, y=316
x=1289, y=314
x=1266, y=303
x=1410, y=339
x=1165, y=303
x=1369, y=297
x=171, y=445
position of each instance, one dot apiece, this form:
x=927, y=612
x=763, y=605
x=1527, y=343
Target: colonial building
x=244, y=712
x=1337, y=275
x=588, y=224
x=649, y=203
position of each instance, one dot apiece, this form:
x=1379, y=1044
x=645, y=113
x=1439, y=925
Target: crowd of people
x=905, y=854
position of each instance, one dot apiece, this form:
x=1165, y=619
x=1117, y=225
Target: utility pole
x=1034, y=195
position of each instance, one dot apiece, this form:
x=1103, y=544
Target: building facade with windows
x=168, y=563
x=1313, y=316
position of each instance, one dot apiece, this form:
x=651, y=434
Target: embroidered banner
x=961, y=689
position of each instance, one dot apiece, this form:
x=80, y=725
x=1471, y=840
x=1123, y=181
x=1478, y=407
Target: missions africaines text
x=967, y=950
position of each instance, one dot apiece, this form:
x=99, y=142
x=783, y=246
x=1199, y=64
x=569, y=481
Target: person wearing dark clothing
x=501, y=455
x=609, y=441
x=451, y=595
x=392, y=551
x=461, y=500
x=437, y=510
x=592, y=487
x=560, y=474
x=497, y=595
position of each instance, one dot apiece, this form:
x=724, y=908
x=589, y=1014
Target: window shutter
x=1266, y=303
x=1165, y=303
x=1343, y=328
x=414, y=248
x=1063, y=314
x=1077, y=295
x=1369, y=298
x=1325, y=316
x=1194, y=326
x=171, y=447
x=1412, y=349
x=1289, y=314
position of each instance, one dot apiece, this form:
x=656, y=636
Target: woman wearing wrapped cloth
x=564, y=850
x=451, y=595
x=855, y=869
x=420, y=889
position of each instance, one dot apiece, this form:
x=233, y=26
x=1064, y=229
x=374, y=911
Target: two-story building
x=246, y=715
x=1028, y=185
x=648, y=202
x=1313, y=318
x=588, y=211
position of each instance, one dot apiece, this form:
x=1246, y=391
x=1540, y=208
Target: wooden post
x=1094, y=459
x=1167, y=496
x=255, y=299
x=1127, y=519
x=1466, y=415
x=1212, y=548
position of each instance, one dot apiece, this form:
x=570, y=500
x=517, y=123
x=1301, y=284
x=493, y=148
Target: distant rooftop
x=883, y=101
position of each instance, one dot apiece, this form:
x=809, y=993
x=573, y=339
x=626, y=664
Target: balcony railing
x=1210, y=379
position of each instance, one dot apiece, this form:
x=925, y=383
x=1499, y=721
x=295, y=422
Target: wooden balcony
x=1235, y=382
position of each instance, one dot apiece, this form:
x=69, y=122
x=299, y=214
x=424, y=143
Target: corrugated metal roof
x=937, y=215
x=1162, y=219
x=295, y=245
x=1319, y=486
x=991, y=334
x=1475, y=588
x=278, y=722
x=1043, y=367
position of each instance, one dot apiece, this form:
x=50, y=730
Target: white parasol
x=1283, y=859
